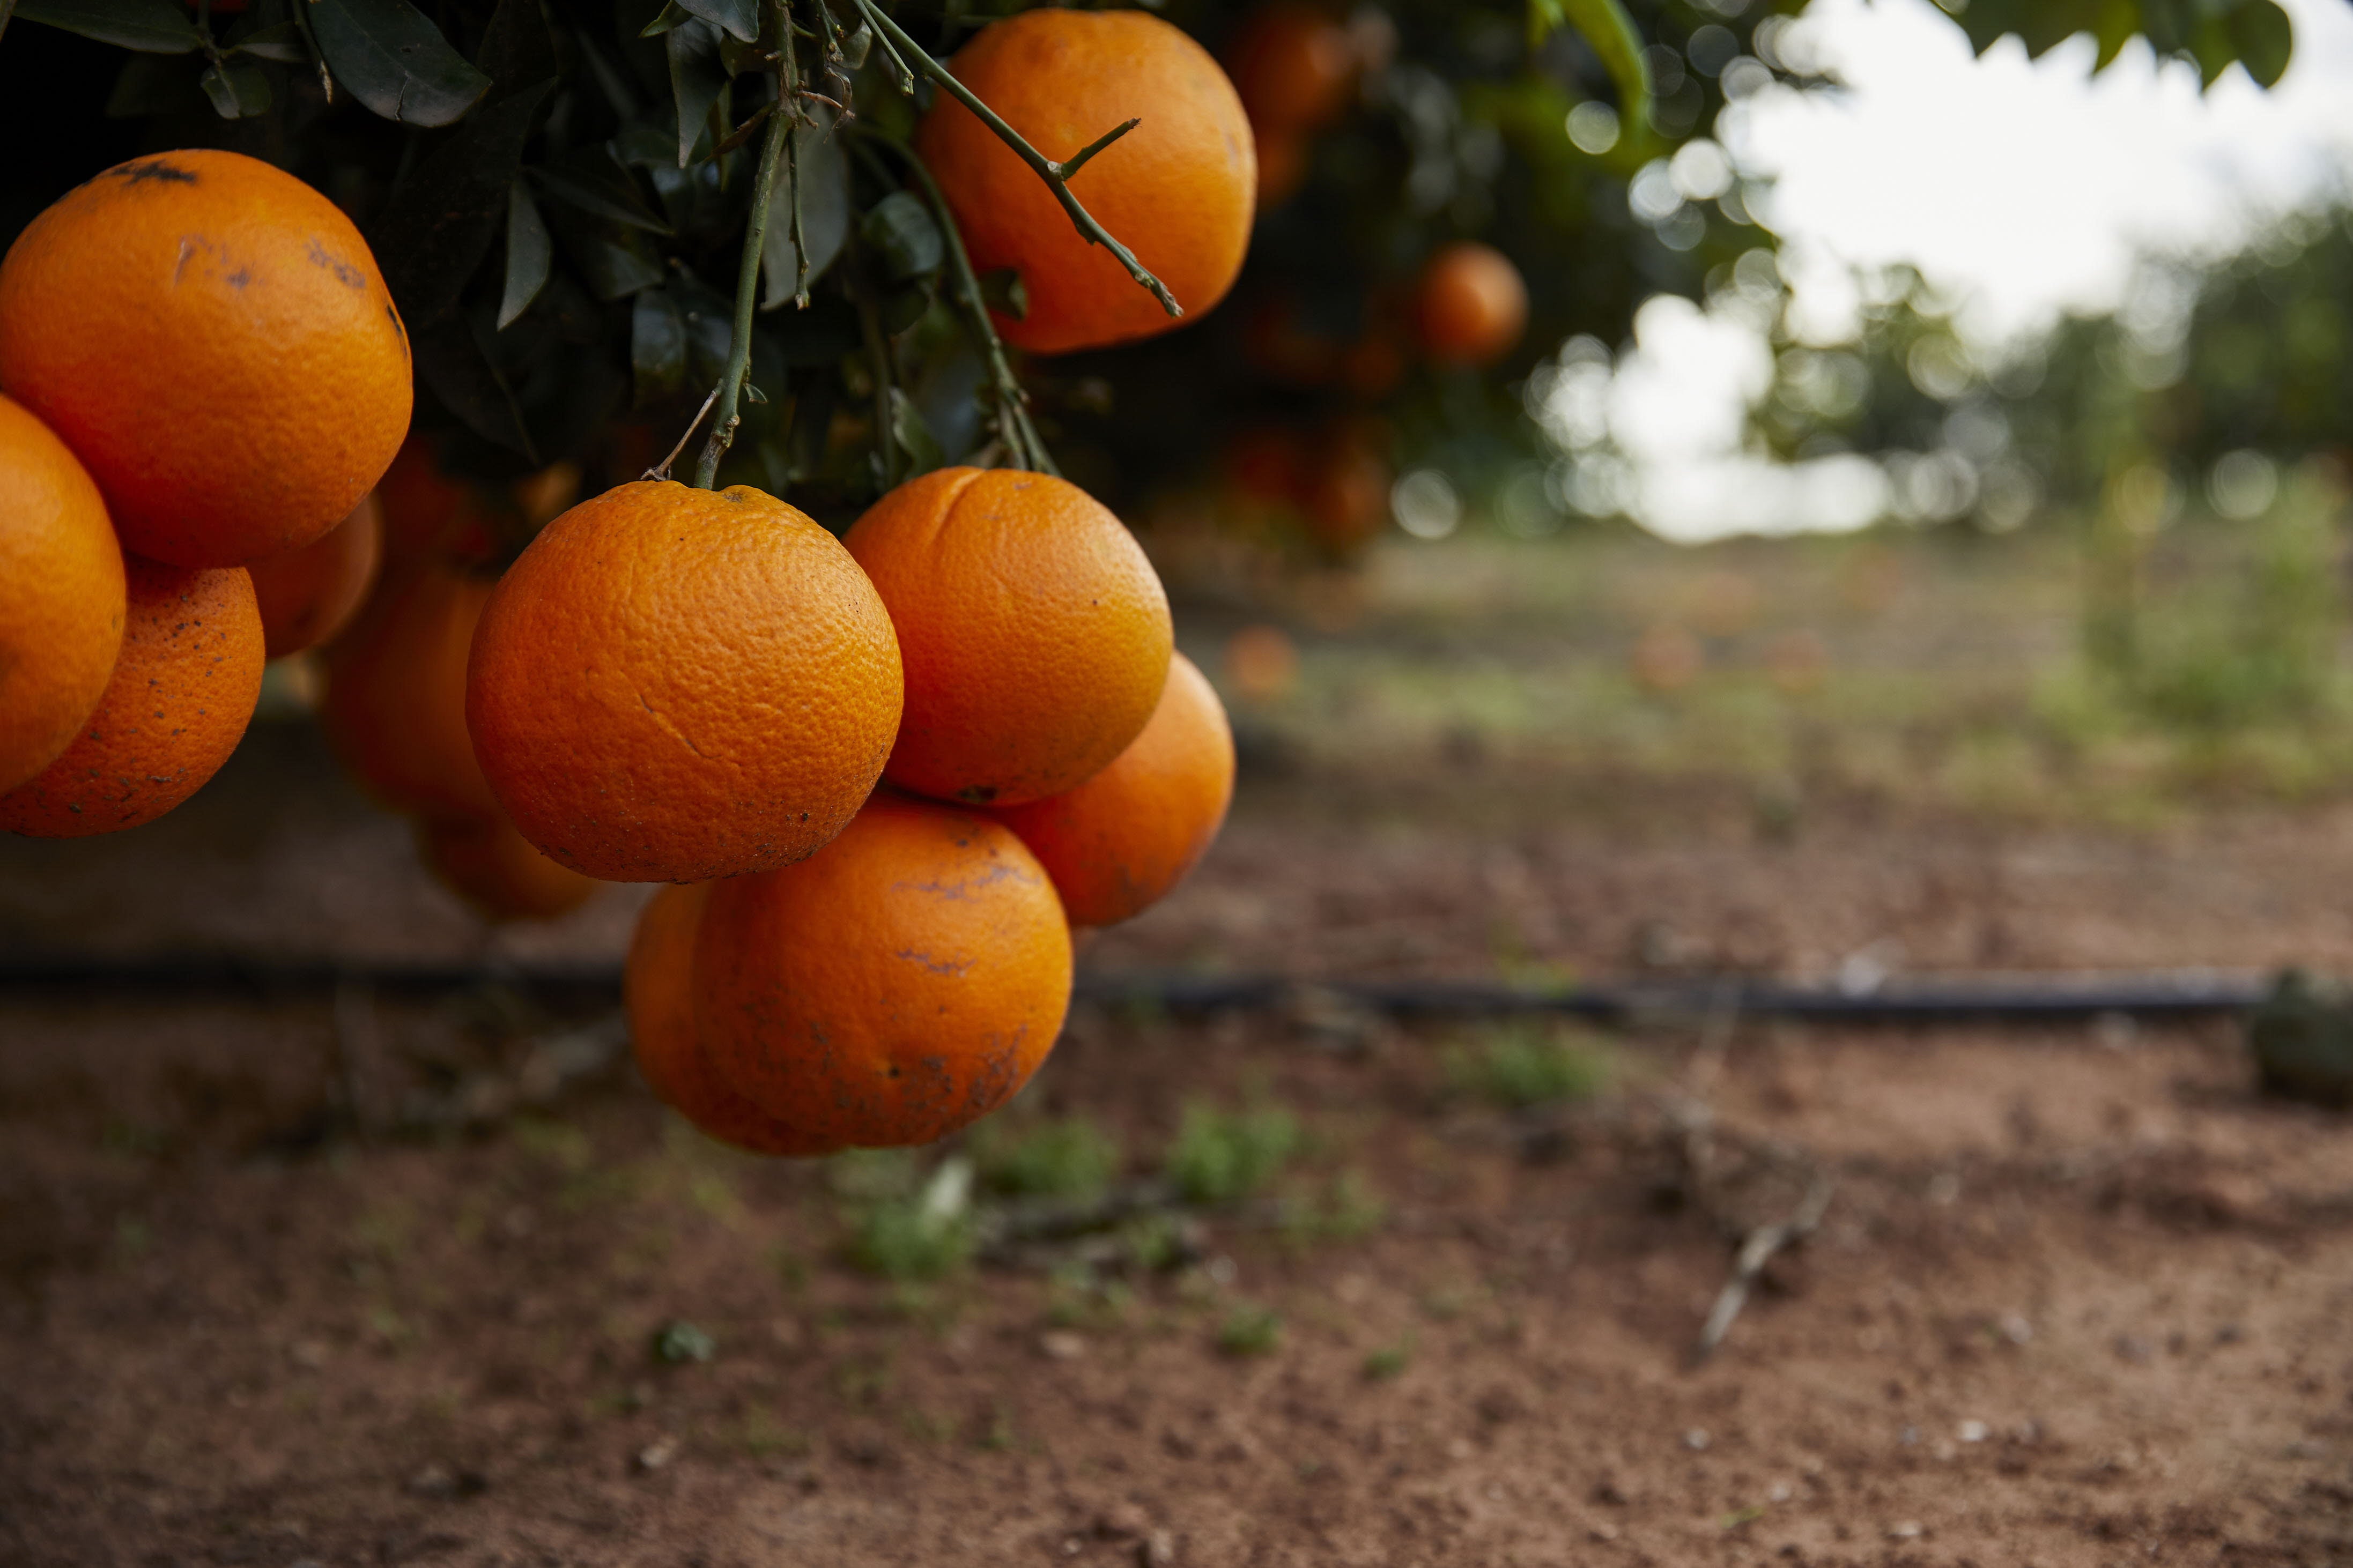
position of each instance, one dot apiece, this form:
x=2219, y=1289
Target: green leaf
x=395, y=60
x=823, y=171
x=903, y=308
x=696, y=81
x=739, y=17
x=282, y=43
x=592, y=180
x=2264, y=38
x=1611, y=34
x=914, y=435
x=672, y=14
x=439, y=222
x=456, y=367
x=516, y=49
x=237, y=89
x=656, y=349
x=148, y=26
x=900, y=230
x=616, y=264
x=530, y=254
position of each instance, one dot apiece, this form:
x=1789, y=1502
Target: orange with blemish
x=211, y=337
x=181, y=693
x=902, y=981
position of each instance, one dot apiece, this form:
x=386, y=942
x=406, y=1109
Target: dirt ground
x=2078, y=1298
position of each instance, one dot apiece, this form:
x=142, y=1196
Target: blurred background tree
x=557, y=191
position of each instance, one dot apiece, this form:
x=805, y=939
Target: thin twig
x=1055, y=175
x=662, y=472
x=744, y=132
x=1013, y=423
x=747, y=273
x=1757, y=1249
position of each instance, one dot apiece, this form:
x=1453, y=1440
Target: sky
x=2020, y=189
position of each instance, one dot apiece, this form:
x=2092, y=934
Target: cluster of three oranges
x=203, y=373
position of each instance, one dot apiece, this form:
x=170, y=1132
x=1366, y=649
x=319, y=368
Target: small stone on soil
x=1697, y=1440
x=1062, y=1345
x=657, y=1453
x=1156, y=1549
x=1908, y=1530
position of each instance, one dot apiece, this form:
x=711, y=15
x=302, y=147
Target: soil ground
x=2078, y=1297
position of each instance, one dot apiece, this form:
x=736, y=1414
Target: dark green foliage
x=557, y=191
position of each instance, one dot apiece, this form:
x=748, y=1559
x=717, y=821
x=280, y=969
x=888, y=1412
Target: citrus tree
x=830, y=261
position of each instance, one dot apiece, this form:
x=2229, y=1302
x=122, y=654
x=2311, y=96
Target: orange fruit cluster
x=394, y=704
x=886, y=973
x=202, y=376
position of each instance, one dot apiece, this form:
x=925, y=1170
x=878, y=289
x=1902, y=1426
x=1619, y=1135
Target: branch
x=747, y=274
x=1055, y=175
x=1013, y=422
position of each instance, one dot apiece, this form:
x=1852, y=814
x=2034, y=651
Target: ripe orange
x=1346, y=491
x=1178, y=190
x=211, y=337
x=1284, y=162
x=309, y=594
x=498, y=871
x=1262, y=663
x=1471, y=304
x=181, y=693
x=672, y=684
x=1294, y=67
x=395, y=708
x=1036, y=633
x=658, y=989
x=900, y=983
x=61, y=596
x=427, y=514
x=1117, y=843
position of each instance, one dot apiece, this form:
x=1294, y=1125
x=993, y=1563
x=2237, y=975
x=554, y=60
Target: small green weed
x=1069, y=1157
x=1529, y=1062
x=677, y=1343
x=1222, y=1157
x=1387, y=1362
x=1249, y=1330
x=922, y=1236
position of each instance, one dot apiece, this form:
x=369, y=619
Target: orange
x=1263, y=663
x=658, y=989
x=1283, y=161
x=1346, y=491
x=1117, y=843
x=395, y=708
x=211, y=337
x=428, y=514
x=181, y=693
x=1036, y=634
x=61, y=596
x=672, y=684
x=1180, y=190
x=498, y=871
x=1471, y=304
x=1294, y=67
x=309, y=594
x=1267, y=463
x=900, y=983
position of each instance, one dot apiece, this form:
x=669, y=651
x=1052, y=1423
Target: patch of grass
x=1529, y=1062
x=1154, y=1242
x=1249, y=1330
x=679, y=1342
x=922, y=1236
x=1068, y=1157
x=762, y=1436
x=1222, y=1157
x=1387, y=1362
x=1347, y=1209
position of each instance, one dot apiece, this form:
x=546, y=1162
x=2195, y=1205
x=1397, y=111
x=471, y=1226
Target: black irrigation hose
x=2013, y=998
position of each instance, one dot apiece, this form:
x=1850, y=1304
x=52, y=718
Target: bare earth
x=2078, y=1299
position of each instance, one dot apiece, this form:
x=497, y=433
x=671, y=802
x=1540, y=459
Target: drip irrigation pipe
x=2019, y=998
